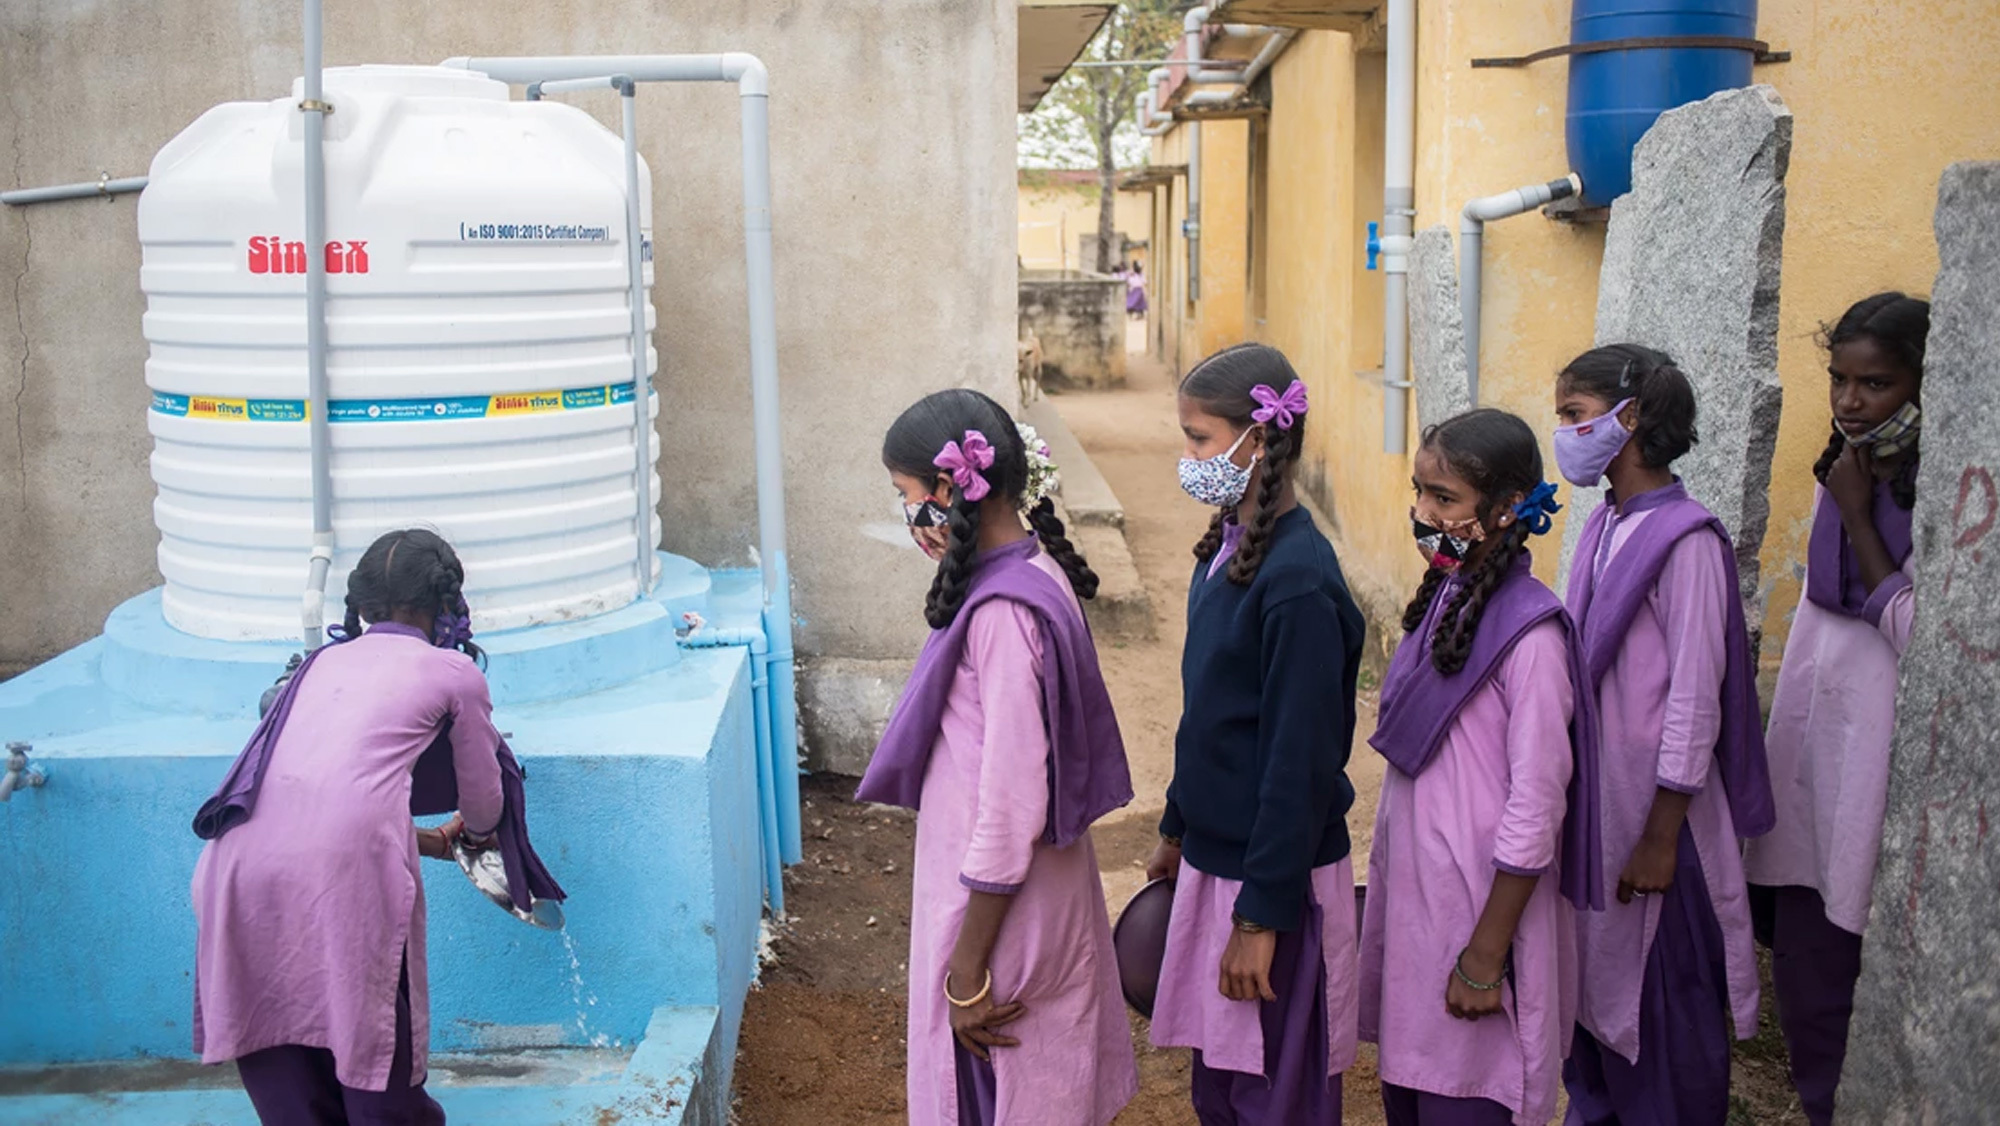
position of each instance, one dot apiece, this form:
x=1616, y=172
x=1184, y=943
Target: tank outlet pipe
x=1399, y=212
x=319, y=437
x=760, y=702
x=635, y=267
x=1471, y=240
x=754, y=91
x=104, y=185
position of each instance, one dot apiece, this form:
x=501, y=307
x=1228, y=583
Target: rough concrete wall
x=1921, y=1047
x=876, y=304
x=1691, y=267
x=1080, y=321
x=1437, y=330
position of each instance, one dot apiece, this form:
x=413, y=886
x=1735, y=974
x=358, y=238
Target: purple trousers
x=1682, y=1077
x=977, y=1099
x=1298, y=1091
x=293, y=1085
x=1814, y=966
x=1407, y=1106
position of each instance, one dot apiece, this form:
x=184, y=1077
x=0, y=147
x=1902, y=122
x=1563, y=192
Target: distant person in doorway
x=1005, y=744
x=1668, y=966
x=1486, y=832
x=1135, y=291
x=309, y=954
x=1260, y=971
x=1834, y=714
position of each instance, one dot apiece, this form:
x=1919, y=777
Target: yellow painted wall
x=1885, y=96
x=1217, y=318
x=1053, y=217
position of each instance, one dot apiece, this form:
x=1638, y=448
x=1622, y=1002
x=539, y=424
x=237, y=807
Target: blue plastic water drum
x=1615, y=96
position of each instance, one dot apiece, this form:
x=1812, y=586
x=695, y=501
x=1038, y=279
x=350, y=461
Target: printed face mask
x=1217, y=481
x=1895, y=434
x=1445, y=548
x=1586, y=450
x=927, y=522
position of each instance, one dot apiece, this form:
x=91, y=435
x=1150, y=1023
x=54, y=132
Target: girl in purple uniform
x=1005, y=744
x=1835, y=709
x=1669, y=965
x=309, y=953
x=1484, y=837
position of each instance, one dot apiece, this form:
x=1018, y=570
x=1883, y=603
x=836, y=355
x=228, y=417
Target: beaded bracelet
x=1246, y=926
x=1458, y=971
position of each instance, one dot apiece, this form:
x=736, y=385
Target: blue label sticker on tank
x=209, y=407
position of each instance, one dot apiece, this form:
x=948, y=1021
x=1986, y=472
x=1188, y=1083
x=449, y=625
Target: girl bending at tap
x=309, y=952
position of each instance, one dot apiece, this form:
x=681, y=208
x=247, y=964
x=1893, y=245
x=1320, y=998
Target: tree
x=1088, y=115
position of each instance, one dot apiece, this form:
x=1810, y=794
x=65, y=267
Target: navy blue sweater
x=1260, y=791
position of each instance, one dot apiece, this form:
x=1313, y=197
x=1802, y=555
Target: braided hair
x=1495, y=453
x=910, y=446
x=1221, y=385
x=1650, y=378
x=1900, y=325
x=408, y=570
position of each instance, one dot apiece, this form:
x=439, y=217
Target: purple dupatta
x=433, y=787
x=1420, y=704
x=1088, y=775
x=1833, y=572
x=1604, y=613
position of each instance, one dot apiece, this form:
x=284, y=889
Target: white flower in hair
x=1043, y=476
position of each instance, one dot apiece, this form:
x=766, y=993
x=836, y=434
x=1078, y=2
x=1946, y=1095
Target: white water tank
x=480, y=349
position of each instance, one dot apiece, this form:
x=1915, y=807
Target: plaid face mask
x=1895, y=434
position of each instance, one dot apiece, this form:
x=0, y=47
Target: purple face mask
x=1584, y=451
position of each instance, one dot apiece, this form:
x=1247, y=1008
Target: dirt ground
x=822, y=1040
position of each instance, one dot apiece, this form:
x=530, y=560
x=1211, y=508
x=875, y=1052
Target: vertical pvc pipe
x=1399, y=203
x=770, y=455
x=314, y=107
x=642, y=384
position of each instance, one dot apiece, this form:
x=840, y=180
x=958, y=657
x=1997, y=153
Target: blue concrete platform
x=642, y=798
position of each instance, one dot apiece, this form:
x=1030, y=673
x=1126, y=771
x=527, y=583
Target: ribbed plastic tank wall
x=479, y=364
x=1615, y=96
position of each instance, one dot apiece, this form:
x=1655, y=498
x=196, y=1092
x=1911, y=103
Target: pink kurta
x=305, y=911
x=1190, y=1010
x=980, y=825
x=1832, y=721
x=1660, y=712
x=1493, y=799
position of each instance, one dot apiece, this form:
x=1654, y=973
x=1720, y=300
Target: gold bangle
x=970, y=1001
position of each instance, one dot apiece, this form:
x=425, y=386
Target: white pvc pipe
x=642, y=384
x=320, y=561
x=1471, y=240
x=102, y=186
x=753, y=89
x=1398, y=220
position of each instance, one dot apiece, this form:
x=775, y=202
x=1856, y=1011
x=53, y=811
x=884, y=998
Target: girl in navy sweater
x=1260, y=970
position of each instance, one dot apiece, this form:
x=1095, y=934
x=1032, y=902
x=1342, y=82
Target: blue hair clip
x=1535, y=508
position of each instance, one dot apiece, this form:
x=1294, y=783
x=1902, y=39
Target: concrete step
x=1096, y=521
x=1122, y=610
x=1085, y=493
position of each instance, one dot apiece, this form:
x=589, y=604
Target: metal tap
x=19, y=773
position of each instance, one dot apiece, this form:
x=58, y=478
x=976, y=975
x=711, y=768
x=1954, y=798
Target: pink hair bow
x=965, y=462
x=1285, y=409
